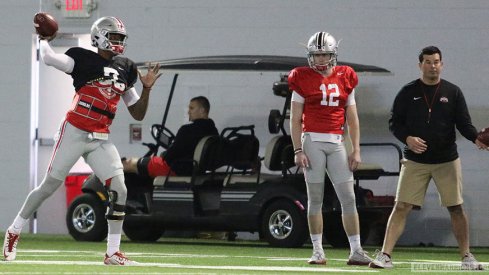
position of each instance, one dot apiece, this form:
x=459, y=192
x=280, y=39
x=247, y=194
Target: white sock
x=354, y=241
x=317, y=241
x=18, y=224
x=113, y=243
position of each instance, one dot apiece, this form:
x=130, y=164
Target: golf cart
x=231, y=188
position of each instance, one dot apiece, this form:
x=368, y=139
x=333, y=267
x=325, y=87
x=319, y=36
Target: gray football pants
x=330, y=159
x=72, y=143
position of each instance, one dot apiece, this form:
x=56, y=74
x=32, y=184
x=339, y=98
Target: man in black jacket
x=424, y=116
x=177, y=159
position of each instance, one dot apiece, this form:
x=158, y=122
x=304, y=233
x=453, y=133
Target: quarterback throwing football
x=100, y=80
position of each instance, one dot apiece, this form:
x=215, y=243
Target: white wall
x=385, y=33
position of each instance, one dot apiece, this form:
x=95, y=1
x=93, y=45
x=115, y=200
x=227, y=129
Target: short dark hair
x=203, y=102
x=430, y=50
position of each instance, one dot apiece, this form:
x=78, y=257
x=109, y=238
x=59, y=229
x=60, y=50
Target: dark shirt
x=181, y=152
x=90, y=66
x=410, y=116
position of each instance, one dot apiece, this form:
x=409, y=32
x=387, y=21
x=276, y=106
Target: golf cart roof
x=251, y=63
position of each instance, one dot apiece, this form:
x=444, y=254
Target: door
x=52, y=92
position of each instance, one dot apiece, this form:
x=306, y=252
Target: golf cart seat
x=279, y=154
x=241, y=149
x=207, y=159
x=241, y=146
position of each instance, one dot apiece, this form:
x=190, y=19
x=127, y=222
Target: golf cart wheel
x=85, y=218
x=142, y=232
x=283, y=225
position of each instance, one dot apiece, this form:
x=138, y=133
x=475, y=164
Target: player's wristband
x=297, y=151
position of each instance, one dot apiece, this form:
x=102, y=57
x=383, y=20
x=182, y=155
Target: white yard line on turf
x=200, y=267
x=76, y=253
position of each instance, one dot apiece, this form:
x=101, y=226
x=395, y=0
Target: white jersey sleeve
x=351, y=99
x=60, y=61
x=296, y=97
x=130, y=97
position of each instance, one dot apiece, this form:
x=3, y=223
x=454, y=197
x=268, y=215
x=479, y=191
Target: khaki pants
x=415, y=178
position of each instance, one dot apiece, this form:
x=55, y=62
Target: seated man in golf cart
x=176, y=160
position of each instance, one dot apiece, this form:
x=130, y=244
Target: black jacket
x=410, y=116
x=181, y=152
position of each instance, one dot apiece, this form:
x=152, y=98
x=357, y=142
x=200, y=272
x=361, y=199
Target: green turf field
x=60, y=254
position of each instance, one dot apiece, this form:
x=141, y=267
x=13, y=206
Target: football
x=483, y=136
x=45, y=24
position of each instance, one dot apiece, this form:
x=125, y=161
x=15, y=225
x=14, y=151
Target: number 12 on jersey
x=330, y=99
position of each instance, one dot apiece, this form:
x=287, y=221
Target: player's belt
x=89, y=106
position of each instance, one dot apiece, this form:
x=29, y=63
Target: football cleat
x=10, y=245
x=118, y=258
x=470, y=263
x=359, y=257
x=382, y=260
x=317, y=257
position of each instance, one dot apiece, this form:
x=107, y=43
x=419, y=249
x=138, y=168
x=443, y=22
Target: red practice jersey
x=325, y=98
x=99, y=85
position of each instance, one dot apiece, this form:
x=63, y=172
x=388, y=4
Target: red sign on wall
x=74, y=5
x=77, y=8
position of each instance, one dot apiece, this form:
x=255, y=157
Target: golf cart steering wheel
x=162, y=135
